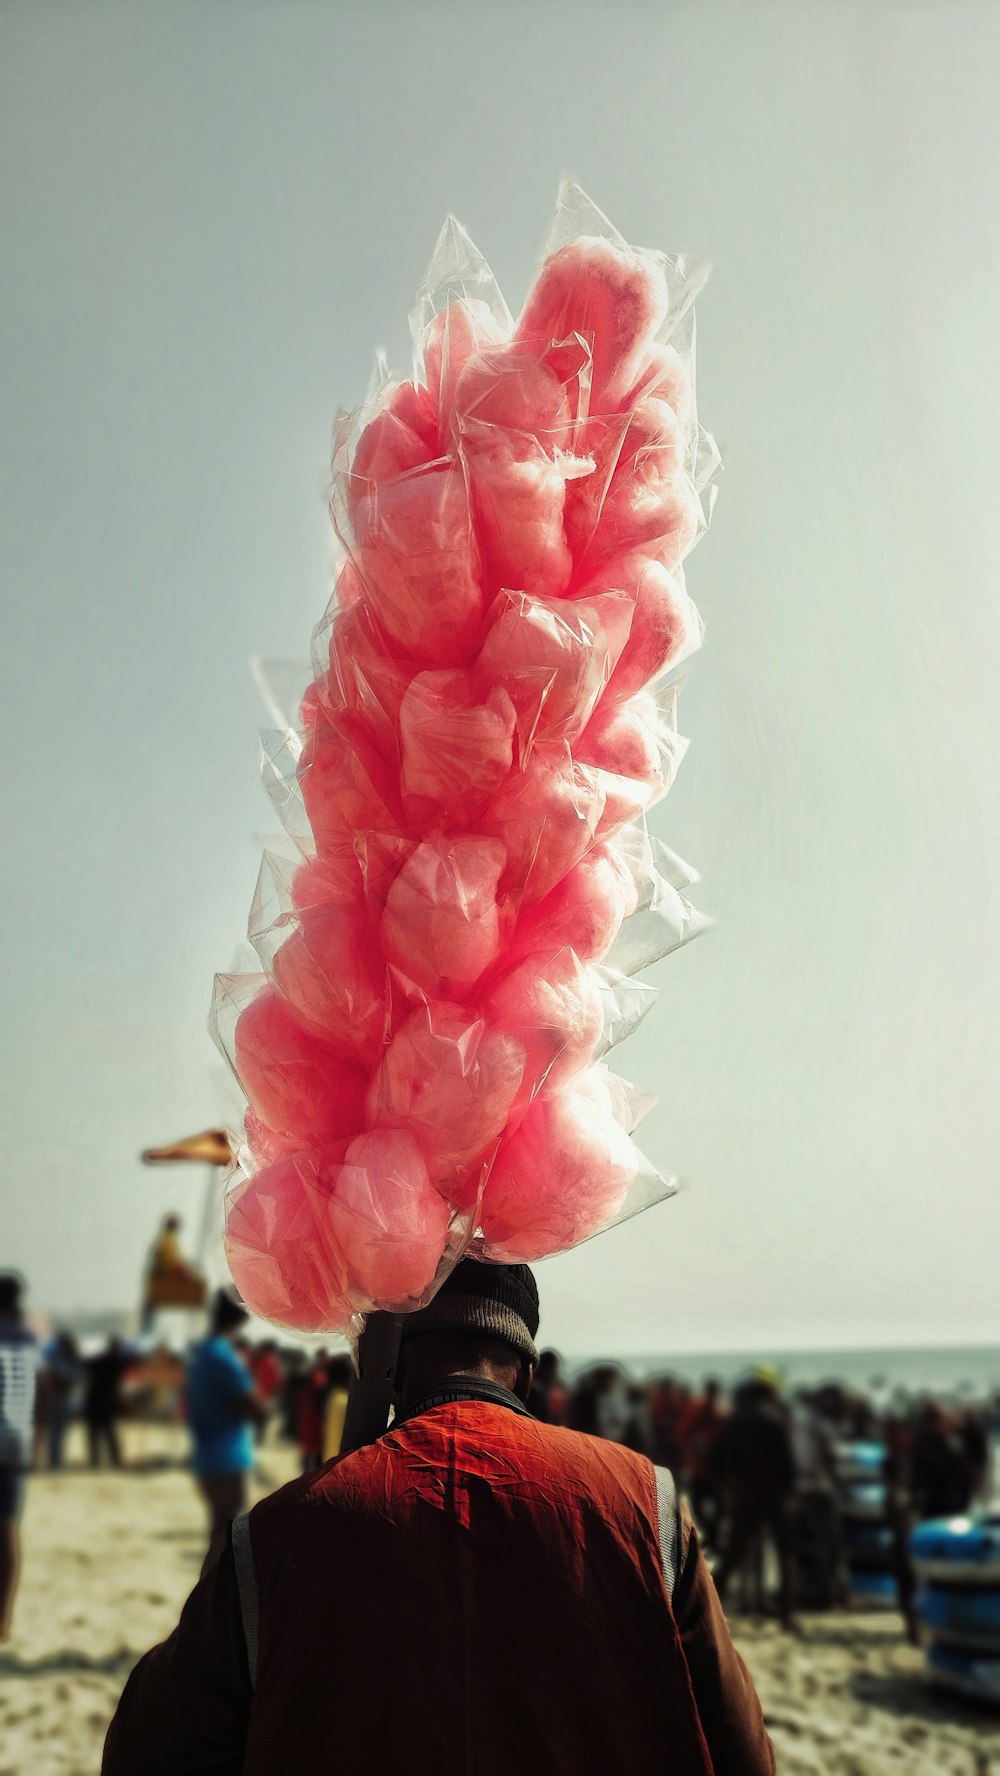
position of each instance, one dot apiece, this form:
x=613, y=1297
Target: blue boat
x=864, y=1509
x=957, y=1562
x=962, y=1614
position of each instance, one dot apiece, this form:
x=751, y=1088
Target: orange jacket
x=475, y=1592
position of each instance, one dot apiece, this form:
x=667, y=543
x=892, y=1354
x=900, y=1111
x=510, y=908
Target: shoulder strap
x=246, y=1579
x=668, y=1523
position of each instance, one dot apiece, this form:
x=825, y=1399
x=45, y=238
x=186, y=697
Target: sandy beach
x=109, y=1559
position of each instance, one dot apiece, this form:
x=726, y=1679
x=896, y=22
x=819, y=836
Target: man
x=222, y=1410
x=60, y=1383
x=170, y=1280
x=267, y=1372
x=816, y=1505
x=940, y=1477
x=473, y=1592
x=698, y=1431
x=102, y=1403
x=756, y=1466
x=19, y=1362
x=549, y=1397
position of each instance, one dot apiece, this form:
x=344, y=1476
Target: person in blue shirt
x=222, y=1409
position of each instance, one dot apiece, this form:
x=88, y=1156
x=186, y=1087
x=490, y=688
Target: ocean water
x=959, y=1370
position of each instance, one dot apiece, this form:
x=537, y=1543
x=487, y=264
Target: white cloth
x=19, y=1365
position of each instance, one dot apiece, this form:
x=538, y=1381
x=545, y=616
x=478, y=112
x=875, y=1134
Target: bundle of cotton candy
x=467, y=784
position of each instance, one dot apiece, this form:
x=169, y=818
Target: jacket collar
x=456, y=1388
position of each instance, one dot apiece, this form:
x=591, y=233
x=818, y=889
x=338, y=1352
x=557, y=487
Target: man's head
x=227, y=1313
x=171, y=1223
x=482, y=1321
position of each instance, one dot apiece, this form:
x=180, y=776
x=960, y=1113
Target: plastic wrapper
x=451, y=944
x=563, y=1173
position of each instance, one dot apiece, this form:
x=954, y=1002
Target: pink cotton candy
x=553, y=1008
x=334, y=878
x=616, y=296
x=331, y=972
x=381, y=856
x=349, y=586
x=518, y=494
x=459, y=332
x=511, y=388
x=555, y=656
x=417, y=555
x=386, y=448
x=646, y=495
x=584, y=912
x=457, y=735
x=441, y=924
x=620, y=739
x=281, y=1250
x=297, y=1085
x=665, y=374
x=664, y=627
x=548, y=815
x=347, y=786
x=364, y=676
x=562, y=1176
x=387, y=1218
x=265, y=1146
x=414, y=407
x=451, y=1081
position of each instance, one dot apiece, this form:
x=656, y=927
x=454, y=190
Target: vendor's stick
x=370, y=1393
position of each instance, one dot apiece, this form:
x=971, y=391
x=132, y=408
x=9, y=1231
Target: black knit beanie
x=500, y=1300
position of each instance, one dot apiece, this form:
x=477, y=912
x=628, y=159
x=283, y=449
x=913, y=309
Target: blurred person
x=166, y=1257
x=756, y=1466
x=102, y=1401
x=19, y=1365
x=492, y=1593
x=222, y=1409
x=288, y=1402
x=549, y=1397
x=599, y=1404
x=668, y=1399
x=338, y=1381
x=310, y=1411
x=638, y=1433
x=268, y=1374
x=940, y=1474
x=900, y=1518
x=170, y=1280
x=975, y=1448
x=61, y=1381
x=699, y=1426
x=816, y=1504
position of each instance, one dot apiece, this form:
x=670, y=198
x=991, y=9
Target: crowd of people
x=760, y=1466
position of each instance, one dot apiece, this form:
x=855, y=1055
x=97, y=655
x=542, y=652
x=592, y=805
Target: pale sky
x=211, y=216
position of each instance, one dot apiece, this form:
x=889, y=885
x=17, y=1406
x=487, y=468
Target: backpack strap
x=246, y=1579
x=669, y=1526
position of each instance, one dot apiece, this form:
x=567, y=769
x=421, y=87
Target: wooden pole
x=370, y=1394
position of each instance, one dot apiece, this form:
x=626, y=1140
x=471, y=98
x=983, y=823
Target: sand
x=109, y=1559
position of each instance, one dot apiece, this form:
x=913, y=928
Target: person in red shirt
x=267, y=1372
x=473, y=1592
